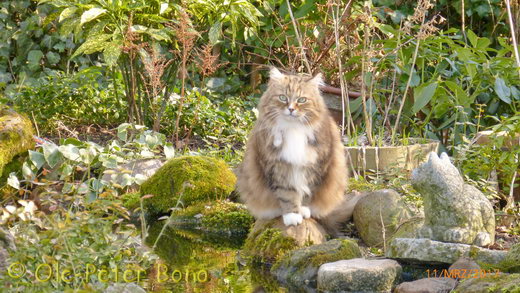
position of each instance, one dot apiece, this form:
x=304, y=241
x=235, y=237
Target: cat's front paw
x=292, y=219
x=305, y=212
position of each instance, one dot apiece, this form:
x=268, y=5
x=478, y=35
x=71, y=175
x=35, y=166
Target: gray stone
x=454, y=211
x=427, y=285
x=491, y=282
x=299, y=268
x=464, y=265
x=124, y=288
x=358, y=275
x=428, y=251
x=143, y=168
x=378, y=215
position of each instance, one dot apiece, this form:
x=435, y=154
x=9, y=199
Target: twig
x=513, y=34
x=304, y=56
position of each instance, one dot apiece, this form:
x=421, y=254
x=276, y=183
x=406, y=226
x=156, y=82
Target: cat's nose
x=290, y=109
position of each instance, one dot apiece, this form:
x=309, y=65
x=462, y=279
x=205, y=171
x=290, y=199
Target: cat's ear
x=317, y=80
x=275, y=74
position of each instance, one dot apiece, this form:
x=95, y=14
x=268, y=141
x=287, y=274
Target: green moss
x=510, y=264
x=187, y=180
x=16, y=137
x=267, y=245
x=131, y=200
x=348, y=250
x=217, y=216
x=491, y=283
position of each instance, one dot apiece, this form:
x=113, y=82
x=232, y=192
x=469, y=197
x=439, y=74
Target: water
x=196, y=261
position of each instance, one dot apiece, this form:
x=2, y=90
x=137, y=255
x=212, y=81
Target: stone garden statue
x=454, y=211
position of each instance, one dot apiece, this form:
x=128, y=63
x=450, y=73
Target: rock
x=454, y=211
x=271, y=239
x=220, y=216
x=358, y=275
x=428, y=251
x=124, y=288
x=185, y=180
x=144, y=168
x=427, y=285
x=378, y=209
x=491, y=282
x=299, y=267
x=464, y=264
x=16, y=137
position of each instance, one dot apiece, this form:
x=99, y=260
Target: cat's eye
x=282, y=98
x=302, y=100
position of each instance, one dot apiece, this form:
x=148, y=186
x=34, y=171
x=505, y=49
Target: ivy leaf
x=422, y=95
x=91, y=14
x=214, y=32
x=169, y=151
x=51, y=153
x=13, y=180
x=52, y=57
x=37, y=159
x=34, y=58
x=502, y=90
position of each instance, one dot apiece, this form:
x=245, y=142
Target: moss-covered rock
x=300, y=267
x=267, y=245
x=491, y=283
x=510, y=263
x=131, y=200
x=378, y=215
x=16, y=137
x=187, y=180
x=220, y=216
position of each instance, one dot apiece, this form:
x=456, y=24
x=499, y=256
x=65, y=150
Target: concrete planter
x=386, y=157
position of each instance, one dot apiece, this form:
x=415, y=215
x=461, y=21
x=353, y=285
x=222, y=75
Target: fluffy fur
x=294, y=165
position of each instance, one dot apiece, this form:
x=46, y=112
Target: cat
x=294, y=164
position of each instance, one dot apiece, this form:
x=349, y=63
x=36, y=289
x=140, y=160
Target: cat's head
x=292, y=97
x=438, y=173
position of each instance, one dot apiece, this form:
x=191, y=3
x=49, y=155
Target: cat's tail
x=341, y=214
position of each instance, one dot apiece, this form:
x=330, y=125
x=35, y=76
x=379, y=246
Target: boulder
x=299, y=268
x=185, y=180
x=269, y=240
x=491, y=282
x=359, y=275
x=429, y=251
x=454, y=211
x=220, y=216
x=16, y=137
x=378, y=215
x=464, y=265
x=427, y=285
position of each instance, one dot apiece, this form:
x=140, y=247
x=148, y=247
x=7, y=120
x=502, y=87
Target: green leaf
x=422, y=95
x=304, y=9
x=67, y=12
x=37, y=159
x=13, y=181
x=27, y=172
x=94, y=44
x=472, y=38
x=70, y=152
x=112, y=52
x=52, y=154
x=169, y=151
x=502, y=90
x=215, y=32
x=91, y=14
x=52, y=57
x=34, y=58
x=460, y=95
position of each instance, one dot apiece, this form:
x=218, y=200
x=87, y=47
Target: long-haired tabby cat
x=294, y=165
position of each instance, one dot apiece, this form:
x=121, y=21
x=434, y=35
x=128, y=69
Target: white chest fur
x=293, y=138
